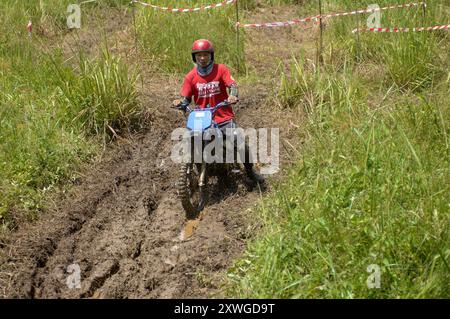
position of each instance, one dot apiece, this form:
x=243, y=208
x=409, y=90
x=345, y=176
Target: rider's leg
x=252, y=174
x=248, y=162
x=227, y=128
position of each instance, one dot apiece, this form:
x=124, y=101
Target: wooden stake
x=358, y=39
x=237, y=35
x=424, y=12
x=135, y=29
x=320, y=56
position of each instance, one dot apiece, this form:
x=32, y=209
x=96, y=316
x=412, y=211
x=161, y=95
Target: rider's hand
x=176, y=103
x=233, y=99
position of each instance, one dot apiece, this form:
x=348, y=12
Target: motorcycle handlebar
x=213, y=109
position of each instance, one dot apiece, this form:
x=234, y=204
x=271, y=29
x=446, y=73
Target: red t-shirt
x=210, y=89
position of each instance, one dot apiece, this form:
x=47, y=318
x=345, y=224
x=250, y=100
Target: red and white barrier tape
x=396, y=30
x=406, y=5
x=170, y=9
x=324, y=16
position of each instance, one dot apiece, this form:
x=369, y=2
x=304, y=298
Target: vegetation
x=53, y=116
x=166, y=37
x=371, y=184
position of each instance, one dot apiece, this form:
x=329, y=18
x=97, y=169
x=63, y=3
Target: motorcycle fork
x=202, y=178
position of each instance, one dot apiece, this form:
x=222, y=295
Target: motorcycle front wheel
x=192, y=196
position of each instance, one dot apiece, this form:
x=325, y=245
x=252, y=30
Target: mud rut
x=122, y=223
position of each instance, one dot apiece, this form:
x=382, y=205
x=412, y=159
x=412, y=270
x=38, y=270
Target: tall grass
x=369, y=188
x=102, y=97
x=371, y=184
x=53, y=116
x=412, y=60
x=166, y=38
x=252, y=3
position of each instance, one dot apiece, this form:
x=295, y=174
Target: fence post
x=134, y=25
x=424, y=7
x=358, y=39
x=237, y=36
x=319, y=54
x=136, y=40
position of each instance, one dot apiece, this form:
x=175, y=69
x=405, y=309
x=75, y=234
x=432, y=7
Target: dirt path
x=122, y=224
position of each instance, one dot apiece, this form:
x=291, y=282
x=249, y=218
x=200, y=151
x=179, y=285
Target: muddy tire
x=192, y=197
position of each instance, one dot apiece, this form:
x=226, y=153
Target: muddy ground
x=122, y=223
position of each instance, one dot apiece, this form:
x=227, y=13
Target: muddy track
x=122, y=223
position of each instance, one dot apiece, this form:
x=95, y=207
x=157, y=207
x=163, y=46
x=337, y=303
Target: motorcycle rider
x=207, y=83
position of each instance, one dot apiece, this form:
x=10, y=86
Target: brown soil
x=122, y=223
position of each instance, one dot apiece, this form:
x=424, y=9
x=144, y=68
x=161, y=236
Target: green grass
x=166, y=38
x=409, y=58
x=371, y=187
x=53, y=115
x=371, y=183
x=252, y=3
x=102, y=98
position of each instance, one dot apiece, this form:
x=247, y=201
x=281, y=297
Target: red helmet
x=202, y=45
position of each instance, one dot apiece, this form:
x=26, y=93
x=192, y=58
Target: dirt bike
x=192, y=185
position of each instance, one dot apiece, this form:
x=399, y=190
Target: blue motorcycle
x=193, y=173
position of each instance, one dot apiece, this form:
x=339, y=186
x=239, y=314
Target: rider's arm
x=230, y=83
x=234, y=90
x=234, y=96
x=186, y=93
x=185, y=100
